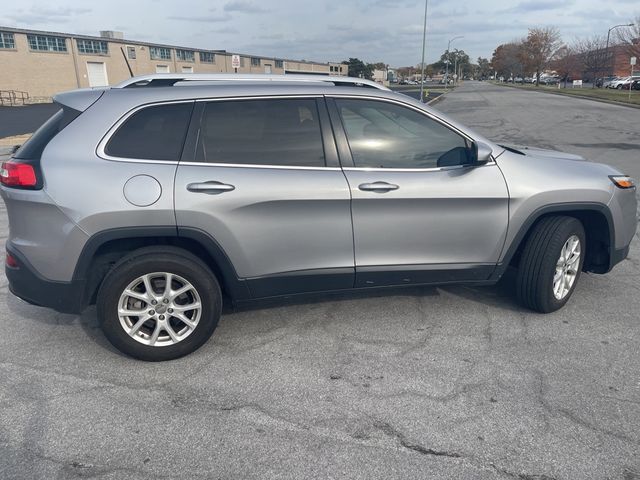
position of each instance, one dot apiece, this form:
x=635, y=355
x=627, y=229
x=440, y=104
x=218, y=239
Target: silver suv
x=159, y=197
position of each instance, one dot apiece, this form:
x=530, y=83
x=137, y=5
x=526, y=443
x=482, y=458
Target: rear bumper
x=30, y=286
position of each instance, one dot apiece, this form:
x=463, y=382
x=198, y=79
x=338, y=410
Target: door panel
x=433, y=217
x=421, y=213
x=262, y=190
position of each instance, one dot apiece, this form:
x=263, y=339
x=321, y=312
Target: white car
x=623, y=82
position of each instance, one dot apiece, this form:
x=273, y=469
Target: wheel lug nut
x=161, y=317
x=153, y=302
x=165, y=301
x=170, y=310
x=152, y=312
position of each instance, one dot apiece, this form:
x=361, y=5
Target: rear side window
x=275, y=132
x=33, y=148
x=153, y=133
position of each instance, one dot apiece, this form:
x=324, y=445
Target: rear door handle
x=211, y=187
x=379, y=187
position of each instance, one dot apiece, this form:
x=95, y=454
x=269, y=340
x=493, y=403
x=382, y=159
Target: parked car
x=161, y=197
x=604, y=82
x=623, y=83
x=635, y=85
x=549, y=80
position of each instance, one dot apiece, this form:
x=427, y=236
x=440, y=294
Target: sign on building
x=235, y=61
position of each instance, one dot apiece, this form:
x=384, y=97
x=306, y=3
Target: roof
x=126, y=41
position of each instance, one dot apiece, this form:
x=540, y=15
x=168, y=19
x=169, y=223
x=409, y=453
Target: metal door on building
x=97, y=74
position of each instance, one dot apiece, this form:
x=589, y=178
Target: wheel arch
x=105, y=248
x=598, y=224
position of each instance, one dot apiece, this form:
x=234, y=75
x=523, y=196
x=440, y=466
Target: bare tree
x=506, y=59
x=566, y=64
x=593, y=56
x=630, y=38
x=540, y=48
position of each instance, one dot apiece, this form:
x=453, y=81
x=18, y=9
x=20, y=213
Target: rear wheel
x=159, y=303
x=551, y=263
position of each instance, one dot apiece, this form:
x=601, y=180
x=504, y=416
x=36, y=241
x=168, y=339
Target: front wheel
x=551, y=263
x=159, y=303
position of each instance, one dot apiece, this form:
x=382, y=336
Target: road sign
x=577, y=83
x=633, y=60
x=235, y=61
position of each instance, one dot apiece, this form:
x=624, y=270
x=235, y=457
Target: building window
x=159, y=53
x=279, y=64
x=47, y=44
x=7, y=40
x=255, y=62
x=131, y=52
x=95, y=47
x=241, y=62
x=207, y=57
x=185, y=55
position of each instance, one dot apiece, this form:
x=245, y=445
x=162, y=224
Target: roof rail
x=170, y=79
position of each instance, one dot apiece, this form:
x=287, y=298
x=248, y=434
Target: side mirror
x=481, y=153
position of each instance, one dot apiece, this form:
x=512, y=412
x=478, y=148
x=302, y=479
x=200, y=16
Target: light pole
x=606, y=49
x=424, y=43
x=446, y=75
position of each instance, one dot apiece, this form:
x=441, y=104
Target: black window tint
x=154, y=133
x=383, y=134
x=261, y=132
x=33, y=148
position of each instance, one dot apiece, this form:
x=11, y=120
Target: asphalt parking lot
x=452, y=382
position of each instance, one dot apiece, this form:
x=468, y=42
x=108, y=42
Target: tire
x=132, y=334
x=540, y=259
x=619, y=87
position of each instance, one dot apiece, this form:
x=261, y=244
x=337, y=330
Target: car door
x=421, y=213
x=262, y=179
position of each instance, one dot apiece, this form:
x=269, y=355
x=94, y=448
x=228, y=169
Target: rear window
x=33, y=148
x=153, y=133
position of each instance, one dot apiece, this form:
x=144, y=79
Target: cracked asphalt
x=452, y=382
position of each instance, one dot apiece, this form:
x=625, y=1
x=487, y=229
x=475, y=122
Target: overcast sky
x=324, y=30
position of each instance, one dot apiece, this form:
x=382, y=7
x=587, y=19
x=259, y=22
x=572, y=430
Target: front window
x=261, y=132
x=46, y=43
x=279, y=64
x=160, y=53
x=387, y=135
x=94, y=47
x=255, y=62
x=7, y=40
x=186, y=55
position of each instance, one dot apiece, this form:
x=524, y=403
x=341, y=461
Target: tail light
x=18, y=175
x=11, y=261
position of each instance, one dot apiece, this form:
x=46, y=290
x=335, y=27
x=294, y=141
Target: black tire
x=159, y=259
x=534, y=283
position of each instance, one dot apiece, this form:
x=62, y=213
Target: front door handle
x=211, y=187
x=378, y=187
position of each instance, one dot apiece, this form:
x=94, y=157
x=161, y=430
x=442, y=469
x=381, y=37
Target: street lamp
x=424, y=42
x=606, y=49
x=446, y=75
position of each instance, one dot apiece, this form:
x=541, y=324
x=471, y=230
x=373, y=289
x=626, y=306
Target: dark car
x=635, y=85
x=600, y=82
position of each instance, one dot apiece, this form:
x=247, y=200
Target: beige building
x=44, y=63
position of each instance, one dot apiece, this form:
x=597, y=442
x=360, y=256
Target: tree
x=507, y=59
x=630, y=38
x=540, y=48
x=453, y=57
x=593, y=56
x=357, y=68
x=567, y=64
x=483, y=69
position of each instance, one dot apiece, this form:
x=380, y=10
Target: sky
x=388, y=31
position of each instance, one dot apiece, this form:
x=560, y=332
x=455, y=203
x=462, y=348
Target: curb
x=584, y=97
x=433, y=101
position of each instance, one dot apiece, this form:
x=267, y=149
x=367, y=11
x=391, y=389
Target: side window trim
x=346, y=158
x=344, y=151
x=101, y=148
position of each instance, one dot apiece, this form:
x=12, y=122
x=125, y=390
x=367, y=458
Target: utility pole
x=446, y=75
x=424, y=43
